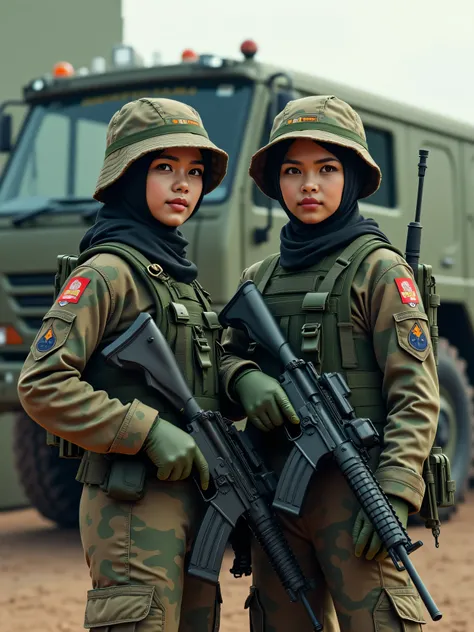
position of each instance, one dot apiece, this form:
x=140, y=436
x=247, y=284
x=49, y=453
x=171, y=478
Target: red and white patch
x=73, y=290
x=407, y=291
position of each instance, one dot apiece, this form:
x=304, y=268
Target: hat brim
x=120, y=160
x=259, y=160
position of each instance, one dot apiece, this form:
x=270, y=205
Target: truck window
x=61, y=149
x=381, y=149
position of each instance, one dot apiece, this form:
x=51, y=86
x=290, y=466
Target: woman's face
x=311, y=181
x=174, y=184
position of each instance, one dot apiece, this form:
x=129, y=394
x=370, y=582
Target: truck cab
x=46, y=207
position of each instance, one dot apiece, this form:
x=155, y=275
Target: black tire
x=48, y=481
x=455, y=426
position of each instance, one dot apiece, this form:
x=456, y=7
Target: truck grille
x=32, y=296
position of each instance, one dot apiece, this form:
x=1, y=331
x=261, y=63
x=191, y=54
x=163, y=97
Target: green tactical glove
x=264, y=400
x=365, y=537
x=174, y=452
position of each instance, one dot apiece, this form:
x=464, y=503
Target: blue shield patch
x=47, y=341
x=417, y=338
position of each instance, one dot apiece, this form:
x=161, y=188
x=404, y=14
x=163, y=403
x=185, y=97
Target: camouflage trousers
x=136, y=555
x=367, y=596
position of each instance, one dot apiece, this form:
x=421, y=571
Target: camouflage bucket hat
x=147, y=125
x=321, y=118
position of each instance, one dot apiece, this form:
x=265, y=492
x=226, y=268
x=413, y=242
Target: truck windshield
x=60, y=151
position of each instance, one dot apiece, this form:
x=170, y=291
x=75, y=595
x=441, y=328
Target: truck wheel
x=455, y=426
x=48, y=481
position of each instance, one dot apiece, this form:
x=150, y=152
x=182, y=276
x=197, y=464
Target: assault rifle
x=242, y=486
x=328, y=428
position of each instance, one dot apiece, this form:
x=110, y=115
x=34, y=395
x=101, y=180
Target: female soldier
x=158, y=165
x=347, y=301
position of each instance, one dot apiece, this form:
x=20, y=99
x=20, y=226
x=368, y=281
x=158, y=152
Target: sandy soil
x=43, y=578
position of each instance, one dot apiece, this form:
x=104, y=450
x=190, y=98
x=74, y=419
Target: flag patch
x=73, y=290
x=407, y=290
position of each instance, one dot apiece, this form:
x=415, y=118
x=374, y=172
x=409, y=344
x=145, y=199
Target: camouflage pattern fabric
x=135, y=550
x=151, y=124
x=136, y=555
x=367, y=595
x=50, y=386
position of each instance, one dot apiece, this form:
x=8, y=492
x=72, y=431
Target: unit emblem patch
x=47, y=341
x=73, y=290
x=417, y=338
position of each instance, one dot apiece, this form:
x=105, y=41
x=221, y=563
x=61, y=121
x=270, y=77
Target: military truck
x=46, y=206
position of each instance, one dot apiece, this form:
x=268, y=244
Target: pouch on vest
x=439, y=492
x=125, y=480
x=440, y=488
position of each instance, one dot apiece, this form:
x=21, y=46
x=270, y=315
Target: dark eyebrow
x=168, y=157
x=290, y=161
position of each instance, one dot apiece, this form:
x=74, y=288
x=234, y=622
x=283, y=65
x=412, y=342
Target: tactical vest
x=186, y=321
x=313, y=309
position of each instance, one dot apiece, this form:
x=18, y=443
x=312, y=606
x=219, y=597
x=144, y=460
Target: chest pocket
x=192, y=330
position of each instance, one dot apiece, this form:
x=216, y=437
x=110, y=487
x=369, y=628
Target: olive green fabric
x=136, y=553
x=151, y=124
x=321, y=118
x=191, y=331
x=310, y=309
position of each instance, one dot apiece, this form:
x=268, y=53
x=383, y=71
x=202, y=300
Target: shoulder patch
x=73, y=290
x=407, y=290
x=47, y=341
x=417, y=337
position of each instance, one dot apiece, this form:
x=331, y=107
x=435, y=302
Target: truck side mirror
x=5, y=132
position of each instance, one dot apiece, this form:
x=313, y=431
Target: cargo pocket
x=412, y=333
x=57, y=325
x=398, y=610
x=121, y=608
x=256, y=612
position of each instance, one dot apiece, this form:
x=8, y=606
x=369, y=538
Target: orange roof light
x=249, y=49
x=189, y=56
x=63, y=69
x=9, y=336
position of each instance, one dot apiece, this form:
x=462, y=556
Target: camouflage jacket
x=50, y=386
x=409, y=376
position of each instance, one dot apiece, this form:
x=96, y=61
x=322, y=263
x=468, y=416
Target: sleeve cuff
x=229, y=378
x=134, y=429
x=403, y=483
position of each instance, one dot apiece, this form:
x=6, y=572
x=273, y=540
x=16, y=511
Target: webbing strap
x=202, y=295
x=265, y=271
x=139, y=264
x=344, y=318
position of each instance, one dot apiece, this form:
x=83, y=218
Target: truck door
x=468, y=219
x=443, y=231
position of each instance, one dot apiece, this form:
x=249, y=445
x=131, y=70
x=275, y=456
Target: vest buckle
x=311, y=334
x=155, y=270
x=203, y=349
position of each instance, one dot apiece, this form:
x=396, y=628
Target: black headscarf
x=127, y=219
x=303, y=245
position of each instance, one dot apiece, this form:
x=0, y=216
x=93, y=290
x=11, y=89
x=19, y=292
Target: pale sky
x=416, y=51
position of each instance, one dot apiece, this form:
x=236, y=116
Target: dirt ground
x=43, y=577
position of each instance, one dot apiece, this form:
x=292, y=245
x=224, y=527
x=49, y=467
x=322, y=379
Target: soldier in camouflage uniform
x=139, y=508
x=346, y=300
